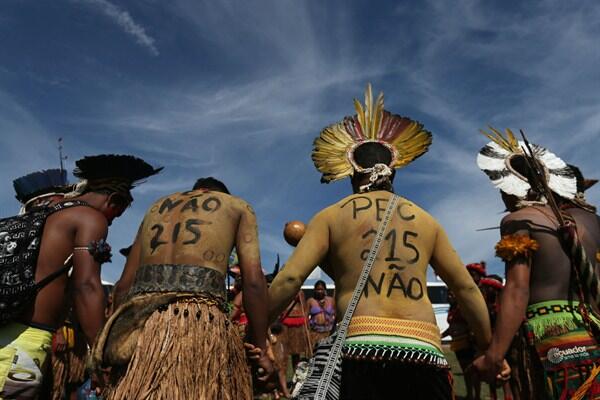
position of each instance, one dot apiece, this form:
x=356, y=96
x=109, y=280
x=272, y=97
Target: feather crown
x=39, y=183
x=114, y=166
x=496, y=159
x=333, y=150
x=112, y=172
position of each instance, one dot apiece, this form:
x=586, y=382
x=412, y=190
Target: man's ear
x=117, y=200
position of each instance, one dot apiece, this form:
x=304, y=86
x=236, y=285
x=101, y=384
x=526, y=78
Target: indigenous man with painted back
x=393, y=345
x=545, y=282
x=172, y=296
x=75, y=229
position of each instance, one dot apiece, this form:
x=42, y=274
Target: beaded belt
x=162, y=278
x=377, y=338
x=423, y=331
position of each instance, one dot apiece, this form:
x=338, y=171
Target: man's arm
x=450, y=268
x=128, y=276
x=311, y=251
x=254, y=287
x=513, y=304
x=88, y=295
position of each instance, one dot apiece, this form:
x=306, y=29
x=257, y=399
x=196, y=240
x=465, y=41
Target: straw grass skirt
x=294, y=340
x=315, y=336
x=68, y=368
x=187, y=350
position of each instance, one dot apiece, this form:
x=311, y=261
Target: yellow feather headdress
x=333, y=150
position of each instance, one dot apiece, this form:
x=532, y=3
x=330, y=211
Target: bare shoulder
x=326, y=214
x=82, y=215
x=407, y=207
x=528, y=214
x=522, y=221
x=519, y=215
x=90, y=218
x=78, y=220
x=239, y=204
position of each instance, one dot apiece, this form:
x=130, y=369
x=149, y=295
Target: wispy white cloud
x=473, y=65
x=259, y=80
x=26, y=146
x=520, y=85
x=124, y=20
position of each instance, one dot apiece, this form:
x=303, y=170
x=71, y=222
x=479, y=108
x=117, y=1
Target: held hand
x=266, y=375
x=505, y=372
x=489, y=370
x=252, y=352
x=262, y=364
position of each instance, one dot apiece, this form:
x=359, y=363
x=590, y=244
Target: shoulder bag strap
x=336, y=350
x=66, y=267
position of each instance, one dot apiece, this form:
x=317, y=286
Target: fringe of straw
x=68, y=368
x=188, y=351
x=294, y=340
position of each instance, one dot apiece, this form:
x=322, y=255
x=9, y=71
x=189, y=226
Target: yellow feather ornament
x=333, y=149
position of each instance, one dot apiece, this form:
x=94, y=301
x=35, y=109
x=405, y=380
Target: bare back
x=551, y=267
x=397, y=286
x=63, y=231
x=339, y=238
x=194, y=228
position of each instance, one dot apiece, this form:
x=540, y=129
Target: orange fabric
x=513, y=246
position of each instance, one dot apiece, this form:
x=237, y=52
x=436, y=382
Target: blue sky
x=239, y=90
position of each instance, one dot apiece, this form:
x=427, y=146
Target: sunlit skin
x=200, y=228
x=338, y=236
x=547, y=277
x=64, y=230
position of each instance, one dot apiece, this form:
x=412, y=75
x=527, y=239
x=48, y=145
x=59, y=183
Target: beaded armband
x=513, y=246
x=100, y=250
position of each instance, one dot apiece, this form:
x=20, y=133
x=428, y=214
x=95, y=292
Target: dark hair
x=368, y=154
x=116, y=198
x=212, y=184
x=579, y=177
x=276, y=328
x=519, y=164
x=120, y=200
x=322, y=283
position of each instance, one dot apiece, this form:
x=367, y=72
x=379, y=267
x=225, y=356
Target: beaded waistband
x=161, y=278
x=546, y=308
x=409, y=329
x=372, y=350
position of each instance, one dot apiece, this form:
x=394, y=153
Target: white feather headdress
x=495, y=160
